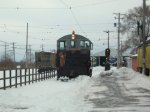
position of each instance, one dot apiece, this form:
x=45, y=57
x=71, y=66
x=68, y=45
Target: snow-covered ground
x=58, y=96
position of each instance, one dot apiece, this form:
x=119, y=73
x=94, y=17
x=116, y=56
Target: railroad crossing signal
x=107, y=54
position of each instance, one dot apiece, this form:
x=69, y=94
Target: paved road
x=116, y=97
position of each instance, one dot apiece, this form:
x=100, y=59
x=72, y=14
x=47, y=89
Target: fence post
x=16, y=78
x=36, y=74
x=50, y=73
x=32, y=75
x=4, y=80
x=25, y=76
x=46, y=75
x=39, y=76
x=29, y=75
x=10, y=78
x=42, y=76
x=55, y=72
x=20, y=77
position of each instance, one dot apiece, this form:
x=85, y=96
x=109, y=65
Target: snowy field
x=57, y=96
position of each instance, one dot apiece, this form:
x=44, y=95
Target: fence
x=23, y=76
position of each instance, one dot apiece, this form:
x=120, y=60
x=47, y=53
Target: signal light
x=107, y=64
x=107, y=52
x=107, y=59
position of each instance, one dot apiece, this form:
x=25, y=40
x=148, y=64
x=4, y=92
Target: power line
x=76, y=20
x=94, y=4
x=64, y=4
x=49, y=26
x=58, y=8
x=2, y=41
x=14, y=30
x=72, y=13
x=28, y=8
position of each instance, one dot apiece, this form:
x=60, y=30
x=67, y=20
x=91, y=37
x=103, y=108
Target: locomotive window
x=87, y=44
x=72, y=44
x=82, y=43
x=62, y=45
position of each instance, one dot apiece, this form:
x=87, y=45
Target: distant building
x=99, y=57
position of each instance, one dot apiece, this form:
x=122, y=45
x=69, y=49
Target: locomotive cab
x=74, y=51
x=69, y=43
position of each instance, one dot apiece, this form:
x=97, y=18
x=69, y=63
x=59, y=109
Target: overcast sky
x=51, y=19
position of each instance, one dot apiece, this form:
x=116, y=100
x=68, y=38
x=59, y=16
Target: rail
x=23, y=76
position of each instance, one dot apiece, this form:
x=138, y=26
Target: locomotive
x=73, y=56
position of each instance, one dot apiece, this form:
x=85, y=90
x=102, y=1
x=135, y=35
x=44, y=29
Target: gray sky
x=51, y=19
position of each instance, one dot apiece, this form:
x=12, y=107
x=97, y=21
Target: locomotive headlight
x=73, y=36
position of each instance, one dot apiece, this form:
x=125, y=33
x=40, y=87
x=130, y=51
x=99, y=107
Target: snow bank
x=133, y=77
x=130, y=76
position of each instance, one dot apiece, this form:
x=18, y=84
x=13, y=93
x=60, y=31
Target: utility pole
x=14, y=51
x=121, y=52
x=144, y=37
x=118, y=54
x=108, y=36
x=5, y=50
x=27, y=47
x=42, y=47
x=30, y=53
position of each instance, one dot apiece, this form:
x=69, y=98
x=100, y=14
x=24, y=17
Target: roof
x=135, y=55
x=80, y=37
x=128, y=52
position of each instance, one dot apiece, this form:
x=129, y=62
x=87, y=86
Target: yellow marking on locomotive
x=62, y=59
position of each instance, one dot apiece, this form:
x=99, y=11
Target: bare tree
x=7, y=62
x=130, y=26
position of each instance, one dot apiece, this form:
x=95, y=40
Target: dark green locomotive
x=73, y=56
